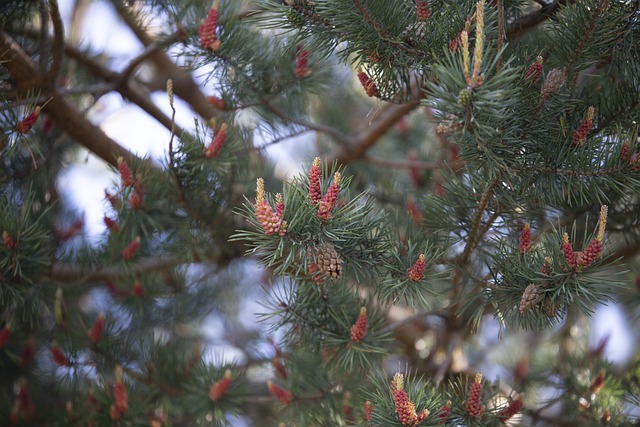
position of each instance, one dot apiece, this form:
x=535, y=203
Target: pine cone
x=530, y=298
x=464, y=97
x=328, y=261
x=554, y=81
x=550, y=307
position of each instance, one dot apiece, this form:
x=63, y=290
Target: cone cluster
x=405, y=408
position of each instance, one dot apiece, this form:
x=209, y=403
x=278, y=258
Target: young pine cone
x=551, y=308
x=530, y=298
x=328, y=261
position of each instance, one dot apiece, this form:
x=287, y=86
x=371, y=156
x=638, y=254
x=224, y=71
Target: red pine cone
x=579, y=136
x=416, y=272
x=113, y=200
x=278, y=366
x=597, y=383
x=569, y=255
x=24, y=403
x=214, y=148
x=456, y=43
x=111, y=224
x=4, y=335
x=472, y=404
x=59, y=357
x=315, y=175
x=130, y=251
x=367, y=411
x=138, y=289
x=220, y=387
x=445, y=410
x=125, y=173
x=534, y=72
x=27, y=123
x=525, y=238
x=216, y=102
x=279, y=205
x=302, y=69
x=268, y=218
x=95, y=333
x=624, y=151
x=405, y=409
x=521, y=369
x=422, y=9
x=207, y=30
x=368, y=84
x=280, y=393
x=359, y=329
x=592, y=252
x=136, y=197
x=7, y=240
x=120, y=399
x=73, y=229
x=514, y=407
x=329, y=200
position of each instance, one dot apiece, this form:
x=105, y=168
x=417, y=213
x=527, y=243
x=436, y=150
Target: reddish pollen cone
x=359, y=329
x=280, y=393
x=95, y=333
x=220, y=387
x=416, y=272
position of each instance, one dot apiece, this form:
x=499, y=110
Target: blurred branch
x=406, y=164
x=368, y=137
x=129, y=89
x=73, y=276
x=63, y=113
x=58, y=42
x=522, y=25
x=183, y=84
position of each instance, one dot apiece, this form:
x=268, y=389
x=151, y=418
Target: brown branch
x=130, y=89
x=183, y=84
x=71, y=276
x=58, y=42
x=501, y=34
x=63, y=113
x=368, y=137
x=522, y=25
x=402, y=164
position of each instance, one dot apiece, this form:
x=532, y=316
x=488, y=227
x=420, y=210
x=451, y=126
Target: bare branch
x=367, y=138
x=70, y=274
x=59, y=109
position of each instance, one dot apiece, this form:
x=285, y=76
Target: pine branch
x=183, y=84
x=58, y=42
x=524, y=24
x=61, y=111
x=384, y=34
x=129, y=89
x=71, y=276
x=368, y=137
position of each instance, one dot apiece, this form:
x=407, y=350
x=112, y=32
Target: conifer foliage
x=467, y=196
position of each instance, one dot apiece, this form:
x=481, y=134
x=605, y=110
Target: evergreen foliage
x=478, y=173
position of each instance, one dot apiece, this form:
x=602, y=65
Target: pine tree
x=477, y=170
